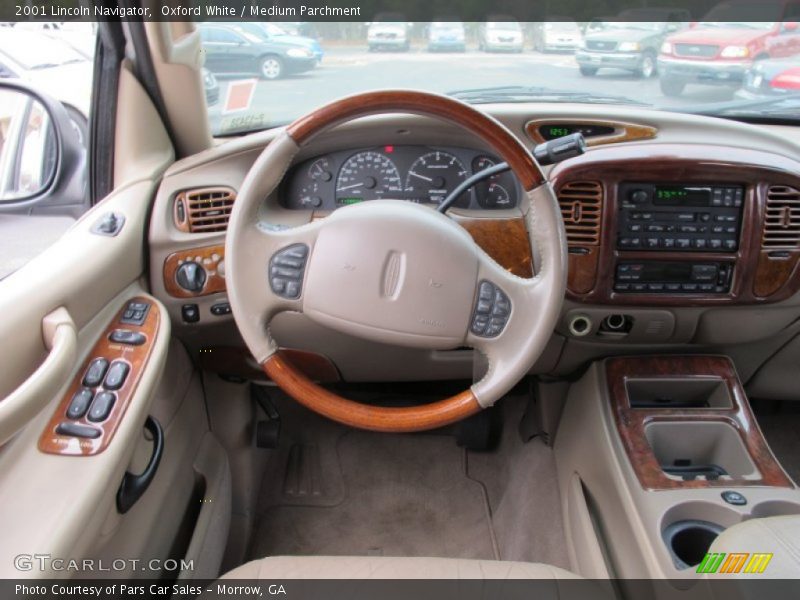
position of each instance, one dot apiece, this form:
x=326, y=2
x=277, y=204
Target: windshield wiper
x=521, y=93
x=785, y=105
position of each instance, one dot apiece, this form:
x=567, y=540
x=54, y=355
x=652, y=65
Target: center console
x=657, y=456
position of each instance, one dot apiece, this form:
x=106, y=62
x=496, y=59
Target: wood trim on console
x=479, y=123
x=137, y=357
x=505, y=240
x=631, y=422
x=209, y=257
x=623, y=132
x=364, y=416
x=664, y=163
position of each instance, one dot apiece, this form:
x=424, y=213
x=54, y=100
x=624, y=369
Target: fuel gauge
x=498, y=191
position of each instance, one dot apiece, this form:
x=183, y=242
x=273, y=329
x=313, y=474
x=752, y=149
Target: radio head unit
x=679, y=217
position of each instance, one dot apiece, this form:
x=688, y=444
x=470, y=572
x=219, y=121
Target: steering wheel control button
x=116, y=376
x=492, y=309
x=286, y=270
x=101, y=407
x=125, y=336
x=734, y=498
x=190, y=313
x=135, y=313
x=79, y=403
x=95, y=373
x=221, y=309
x=77, y=430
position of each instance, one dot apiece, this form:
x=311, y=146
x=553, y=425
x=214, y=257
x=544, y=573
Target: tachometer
x=433, y=176
x=367, y=175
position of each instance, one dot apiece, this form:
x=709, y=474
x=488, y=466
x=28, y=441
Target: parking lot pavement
x=347, y=71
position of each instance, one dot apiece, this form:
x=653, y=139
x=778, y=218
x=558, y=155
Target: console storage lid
x=779, y=536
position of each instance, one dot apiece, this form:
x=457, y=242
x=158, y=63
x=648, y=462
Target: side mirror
x=41, y=149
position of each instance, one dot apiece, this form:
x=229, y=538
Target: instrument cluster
x=422, y=174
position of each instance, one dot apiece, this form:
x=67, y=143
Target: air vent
x=782, y=224
x=204, y=210
x=582, y=208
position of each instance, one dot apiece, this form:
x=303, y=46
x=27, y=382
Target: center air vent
x=581, y=205
x=203, y=210
x=782, y=222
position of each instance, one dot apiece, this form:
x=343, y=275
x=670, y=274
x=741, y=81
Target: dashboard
x=421, y=174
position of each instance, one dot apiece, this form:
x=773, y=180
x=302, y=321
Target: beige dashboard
x=677, y=152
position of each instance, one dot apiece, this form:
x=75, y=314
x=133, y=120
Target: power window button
x=95, y=373
x=116, y=376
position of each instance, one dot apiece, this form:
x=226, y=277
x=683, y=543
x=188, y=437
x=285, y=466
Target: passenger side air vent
x=782, y=222
x=581, y=205
x=203, y=210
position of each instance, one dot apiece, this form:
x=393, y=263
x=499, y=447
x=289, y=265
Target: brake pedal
x=268, y=432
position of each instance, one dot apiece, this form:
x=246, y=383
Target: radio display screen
x=675, y=195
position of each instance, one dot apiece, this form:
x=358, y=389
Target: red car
x=721, y=49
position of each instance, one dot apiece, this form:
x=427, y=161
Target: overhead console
x=680, y=225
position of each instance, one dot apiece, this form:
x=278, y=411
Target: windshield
x=641, y=25
x=686, y=66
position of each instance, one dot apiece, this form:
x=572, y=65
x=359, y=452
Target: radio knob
x=191, y=276
x=639, y=196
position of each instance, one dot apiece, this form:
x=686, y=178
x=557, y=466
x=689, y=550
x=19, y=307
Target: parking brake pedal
x=268, y=432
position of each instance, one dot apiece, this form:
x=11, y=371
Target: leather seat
x=374, y=567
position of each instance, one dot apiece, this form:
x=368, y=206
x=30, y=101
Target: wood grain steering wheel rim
x=280, y=370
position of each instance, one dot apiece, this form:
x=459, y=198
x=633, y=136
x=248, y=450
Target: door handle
x=25, y=402
x=133, y=486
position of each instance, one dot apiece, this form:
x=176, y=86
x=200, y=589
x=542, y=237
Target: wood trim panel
x=209, y=257
x=624, y=132
x=237, y=361
x=505, y=240
x=631, y=422
x=489, y=130
x=773, y=273
x=755, y=170
x=583, y=262
x=137, y=358
x=364, y=416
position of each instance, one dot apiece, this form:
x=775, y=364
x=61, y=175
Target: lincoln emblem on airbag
x=393, y=273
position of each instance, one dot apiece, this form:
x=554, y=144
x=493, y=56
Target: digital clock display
x=673, y=195
x=557, y=132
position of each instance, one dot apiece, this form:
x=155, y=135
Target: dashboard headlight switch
x=286, y=270
x=491, y=312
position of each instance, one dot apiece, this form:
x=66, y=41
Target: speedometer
x=367, y=175
x=433, y=176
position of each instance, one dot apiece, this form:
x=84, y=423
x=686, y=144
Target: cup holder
x=689, y=541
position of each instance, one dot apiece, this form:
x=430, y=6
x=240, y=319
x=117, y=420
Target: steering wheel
x=394, y=272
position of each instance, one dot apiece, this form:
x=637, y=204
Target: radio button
x=656, y=287
x=715, y=244
x=689, y=287
x=686, y=216
x=700, y=243
x=683, y=242
x=730, y=244
x=639, y=287
x=673, y=287
x=668, y=242
x=655, y=228
x=688, y=229
x=706, y=287
x=634, y=228
x=717, y=229
x=705, y=217
x=651, y=242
